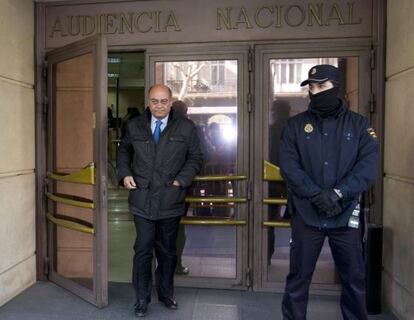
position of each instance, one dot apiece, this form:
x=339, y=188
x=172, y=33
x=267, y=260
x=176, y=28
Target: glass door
x=76, y=169
x=212, y=90
x=236, y=232
x=278, y=97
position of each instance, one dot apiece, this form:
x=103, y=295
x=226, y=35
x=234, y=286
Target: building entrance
x=235, y=233
x=237, y=69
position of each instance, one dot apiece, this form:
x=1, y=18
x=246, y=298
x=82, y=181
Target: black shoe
x=182, y=271
x=170, y=303
x=141, y=308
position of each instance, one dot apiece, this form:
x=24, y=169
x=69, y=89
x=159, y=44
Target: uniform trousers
x=159, y=236
x=347, y=252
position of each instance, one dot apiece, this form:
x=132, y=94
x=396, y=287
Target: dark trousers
x=306, y=245
x=160, y=235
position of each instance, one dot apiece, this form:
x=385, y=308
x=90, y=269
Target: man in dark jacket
x=328, y=157
x=158, y=158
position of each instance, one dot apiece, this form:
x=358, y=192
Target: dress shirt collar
x=163, y=124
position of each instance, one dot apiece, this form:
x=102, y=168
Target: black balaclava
x=325, y=103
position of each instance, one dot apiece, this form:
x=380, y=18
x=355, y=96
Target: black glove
x=327, y=203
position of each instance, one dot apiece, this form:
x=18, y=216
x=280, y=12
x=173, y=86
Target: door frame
x=97, y=46
x=285, y=49
x=377, y=41
x=230, y=52
x=302, y=49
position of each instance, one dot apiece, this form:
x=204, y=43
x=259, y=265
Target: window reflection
x=209, y=91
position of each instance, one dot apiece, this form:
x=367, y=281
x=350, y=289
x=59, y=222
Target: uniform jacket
x=325, y=153
x=154, y=167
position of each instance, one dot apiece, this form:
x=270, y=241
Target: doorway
x=126, y=96
x=235, y=234
x=209, y=239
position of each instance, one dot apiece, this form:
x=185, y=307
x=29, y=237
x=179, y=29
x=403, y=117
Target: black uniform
x=325, y=153
x=156, y=203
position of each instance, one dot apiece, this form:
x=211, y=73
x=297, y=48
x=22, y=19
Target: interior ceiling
x=131, y=69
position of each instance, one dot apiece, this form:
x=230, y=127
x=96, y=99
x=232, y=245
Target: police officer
x=328, y=157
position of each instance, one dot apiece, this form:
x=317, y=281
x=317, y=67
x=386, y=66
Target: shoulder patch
x=372, y=133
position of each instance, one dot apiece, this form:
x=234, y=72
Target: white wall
x=398, y=275
x=17, y=151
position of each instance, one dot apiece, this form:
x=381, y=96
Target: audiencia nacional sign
x=201, y=21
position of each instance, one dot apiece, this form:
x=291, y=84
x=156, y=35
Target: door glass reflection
x=209, y=91
x=286, y=99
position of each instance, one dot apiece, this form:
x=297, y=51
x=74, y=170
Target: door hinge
x=44, y=69
x=372, y=59
x=249, y=102
x=250, y=60
x=46, y=266
x=372, y=103
x=248, y=277
x=45, y=104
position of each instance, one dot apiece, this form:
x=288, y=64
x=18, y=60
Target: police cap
x=321, y=73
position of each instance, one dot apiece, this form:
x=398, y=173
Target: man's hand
x=129, y=183
x=327, y=203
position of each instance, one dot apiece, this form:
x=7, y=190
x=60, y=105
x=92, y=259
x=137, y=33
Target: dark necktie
x=157, y=131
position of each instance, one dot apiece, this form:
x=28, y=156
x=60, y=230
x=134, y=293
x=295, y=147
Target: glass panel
x=286, y=99
x=208, y=251
x=73, y=147
x=209, y=91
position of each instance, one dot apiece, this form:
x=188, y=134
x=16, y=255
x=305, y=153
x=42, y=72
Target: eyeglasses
x=164, y=102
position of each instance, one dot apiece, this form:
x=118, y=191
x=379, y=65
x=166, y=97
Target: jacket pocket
x=177, y=138
x=141, y=143
x=176, y=150
x=138, y=197
x=173, y=197
x=176, y=143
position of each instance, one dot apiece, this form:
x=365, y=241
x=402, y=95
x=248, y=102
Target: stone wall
x=398, y=216
x=17, y=148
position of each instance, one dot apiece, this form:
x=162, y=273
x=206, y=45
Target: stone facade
x=17, y=148
x=398, y=217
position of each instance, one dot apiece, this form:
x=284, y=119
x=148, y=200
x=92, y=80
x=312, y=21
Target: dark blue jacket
x=325, y=153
